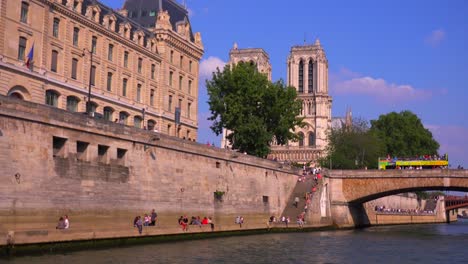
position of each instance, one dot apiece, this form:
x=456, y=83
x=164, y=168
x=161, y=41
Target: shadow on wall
x=359, y=215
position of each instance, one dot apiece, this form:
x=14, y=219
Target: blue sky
x=383, y=55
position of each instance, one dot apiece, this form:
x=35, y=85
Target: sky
x=383, y=56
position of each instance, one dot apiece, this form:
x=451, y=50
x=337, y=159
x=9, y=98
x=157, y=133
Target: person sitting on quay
x=183, y=222
x=147, y=220
x=61, y=223
x=66, y=222
x=210, y=222
x=239, y=221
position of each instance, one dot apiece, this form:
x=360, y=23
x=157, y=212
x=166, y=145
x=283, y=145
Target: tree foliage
x=353, y=147
x=255, y=110
x=404, y=135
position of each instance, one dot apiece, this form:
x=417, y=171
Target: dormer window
x=111, y=24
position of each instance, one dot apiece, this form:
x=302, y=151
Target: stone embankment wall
x=403, y=202
x=102, y=174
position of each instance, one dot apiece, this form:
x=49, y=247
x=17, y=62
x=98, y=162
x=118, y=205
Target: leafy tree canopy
x=404, y=135
x=255, y=110
x=352, y=147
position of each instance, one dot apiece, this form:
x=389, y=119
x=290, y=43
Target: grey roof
x=140, y=10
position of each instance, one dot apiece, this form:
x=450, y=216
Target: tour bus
x=422, y=162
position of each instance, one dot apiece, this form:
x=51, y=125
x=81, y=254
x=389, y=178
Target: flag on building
x=29, y=61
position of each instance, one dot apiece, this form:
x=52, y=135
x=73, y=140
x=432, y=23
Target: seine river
x=441, y=243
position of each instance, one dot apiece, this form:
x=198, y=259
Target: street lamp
x=88, y=103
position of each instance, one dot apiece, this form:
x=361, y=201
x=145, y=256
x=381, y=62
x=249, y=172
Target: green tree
x=404, y=135
x=255, y=110
x=352, y=147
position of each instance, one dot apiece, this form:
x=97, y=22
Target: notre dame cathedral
x=308, y=73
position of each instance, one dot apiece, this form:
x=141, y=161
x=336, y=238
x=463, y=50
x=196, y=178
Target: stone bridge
x=349, y=189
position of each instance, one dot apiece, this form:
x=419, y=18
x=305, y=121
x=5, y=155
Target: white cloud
x=435, y=38
x=208, y=66
x=346, y=82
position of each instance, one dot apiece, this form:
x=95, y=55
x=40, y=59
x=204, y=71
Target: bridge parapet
x=346, y=174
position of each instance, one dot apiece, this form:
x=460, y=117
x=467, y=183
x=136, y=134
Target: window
x=75, y=5
x=181, y=62
x=22, y=48
x=189, y=108
x=170, y=103
x=92, y=107
x=24, y=12
x=138, y=95
x=151, y=125
x=190, y=86
x=123, y=118
x=301, y=76
x=169, y=129
x=152, y=13
x=124, y=87
x=108, y=113
x=55, y=29
x=76, y=33
x=126, y=59
x=81, y=149
x=93, y=45
x=172, y=56
x=144, y=13
x=109, y=81
x=301, y=139
x=180, y=103
x=140, y=64
x=52, y=98
x=311, y=77
x=171, y=74
x=58, y=145
x=74, y=68
x=153, y=70
x=110, y=52
x=152, y=97
x=93, y=75
x=102, y=152
x=121, y=153
x=190, y=66
x=311, y=139
x=53, y=64
x=72, y=103
x=180, y=82
x=137, y=122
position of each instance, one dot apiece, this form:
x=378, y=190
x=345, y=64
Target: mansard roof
x=136, y=9
x=105, y=10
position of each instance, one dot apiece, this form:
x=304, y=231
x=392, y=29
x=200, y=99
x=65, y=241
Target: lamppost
x=88, y=103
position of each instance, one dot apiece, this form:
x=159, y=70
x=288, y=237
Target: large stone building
x=308, y=73
x=139, y=64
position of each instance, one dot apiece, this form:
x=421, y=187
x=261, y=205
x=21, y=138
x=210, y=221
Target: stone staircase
x=299, y=190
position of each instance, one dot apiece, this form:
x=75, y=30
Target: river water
x=442, y=243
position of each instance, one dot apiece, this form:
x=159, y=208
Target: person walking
x=139, y=224
x=296, y=201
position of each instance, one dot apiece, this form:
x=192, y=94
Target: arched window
x=311, y=77
x=72, y=103
x=123, y=118
x=301, y=139
x=151, y=124
x=137, y=120
x=16, y=95
x=301, y=77
x=52, y=98
x=108, y=112
x=311, y=139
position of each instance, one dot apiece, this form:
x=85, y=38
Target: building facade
x=139, y=64
x=307, y=70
